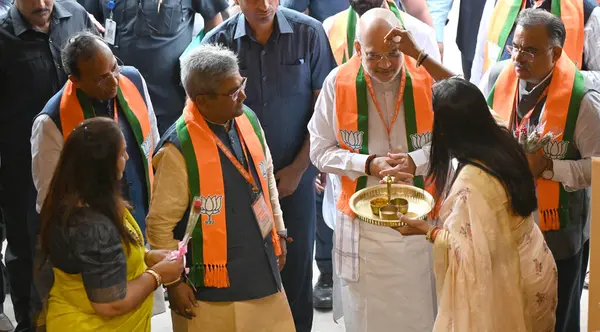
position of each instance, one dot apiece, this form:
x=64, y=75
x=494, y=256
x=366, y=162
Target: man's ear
x=357, y=48
x=556, y=53
x=75, y=80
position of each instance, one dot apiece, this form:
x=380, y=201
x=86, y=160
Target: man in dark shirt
x=286, y=56
x=150, y=36
x=31, y=36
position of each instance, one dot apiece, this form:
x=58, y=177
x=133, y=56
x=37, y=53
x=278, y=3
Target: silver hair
x=539, y=17
x=203, y=69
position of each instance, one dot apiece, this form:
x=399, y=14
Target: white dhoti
x=395, y=290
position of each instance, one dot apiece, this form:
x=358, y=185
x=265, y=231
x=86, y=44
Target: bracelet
x=420, y=56
x=173, y=283
x=368, y=164
x=156, y=276
x=420, y=62
x=429, y=233
x=434, y=234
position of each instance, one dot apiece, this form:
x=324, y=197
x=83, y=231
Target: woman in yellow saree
x=101, y=277
x=494, y=272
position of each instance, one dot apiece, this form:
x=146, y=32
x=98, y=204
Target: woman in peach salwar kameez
x=494, y=272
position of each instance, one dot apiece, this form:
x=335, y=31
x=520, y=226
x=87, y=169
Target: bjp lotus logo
x=211, y=205
x=352, y=138
x=146, y=147
x=420, y=140
x=556, y=150
x=263, y=168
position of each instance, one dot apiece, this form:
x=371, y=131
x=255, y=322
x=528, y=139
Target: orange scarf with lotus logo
x=559, y=116
x=352, y=113
x=209, y=238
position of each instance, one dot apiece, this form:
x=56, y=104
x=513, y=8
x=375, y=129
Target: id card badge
x=263, y=215
x=110, y=31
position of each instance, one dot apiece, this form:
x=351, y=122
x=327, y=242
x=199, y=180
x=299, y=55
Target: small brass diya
x=401, y=204
x=377, y=204
x=388, y=212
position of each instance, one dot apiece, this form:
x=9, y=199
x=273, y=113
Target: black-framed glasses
x=102, y=81
x=235, y=94
x=525, y=55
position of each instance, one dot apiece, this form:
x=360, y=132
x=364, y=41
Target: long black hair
x=463, y=128
x=87, y=175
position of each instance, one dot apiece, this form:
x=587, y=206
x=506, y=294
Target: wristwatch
x=548, y=174
x=282, y=233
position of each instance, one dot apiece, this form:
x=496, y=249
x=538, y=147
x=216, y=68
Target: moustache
x=40, y=11
x=520, y=65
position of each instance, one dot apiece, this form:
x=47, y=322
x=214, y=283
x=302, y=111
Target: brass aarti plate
x=420, y=203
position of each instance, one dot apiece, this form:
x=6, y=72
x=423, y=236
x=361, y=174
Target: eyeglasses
x=235, y=94
x=379, y=56
x=103, y=81
x=525, y=55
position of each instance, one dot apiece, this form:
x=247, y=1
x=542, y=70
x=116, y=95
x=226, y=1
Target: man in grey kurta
x=151, y=35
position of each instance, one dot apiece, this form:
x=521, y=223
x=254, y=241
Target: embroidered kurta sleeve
x=170, y=197
x=325, y=153
x=273, y=193
x=577, y=174
x=591, y=47
x=151, y=115
x=46, y=146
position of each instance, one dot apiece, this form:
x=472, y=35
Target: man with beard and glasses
x=217, y=151
x=286, y=57
x=32, y=33
x=551, y=95
x=372, y=119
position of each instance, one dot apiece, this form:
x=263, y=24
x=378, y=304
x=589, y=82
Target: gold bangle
x=428, y=235
x=173, y=283
x=156, y=276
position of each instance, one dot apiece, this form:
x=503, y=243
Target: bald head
x=375, y=24
x=381, y=60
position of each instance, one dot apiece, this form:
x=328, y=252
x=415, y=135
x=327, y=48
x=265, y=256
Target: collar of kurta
x=21, y=25
x=282, y=25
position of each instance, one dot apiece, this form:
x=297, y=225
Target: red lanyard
x=398, y=101
x=525, y=120
x=245, y=173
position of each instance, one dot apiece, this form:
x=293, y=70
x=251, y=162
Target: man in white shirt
x=337, y=28
x=582, y=21
x=386, y=280
x=554, y=96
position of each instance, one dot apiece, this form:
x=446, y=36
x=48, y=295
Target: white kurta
x=386, y=279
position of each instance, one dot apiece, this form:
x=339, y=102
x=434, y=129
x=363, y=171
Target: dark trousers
x=571, y=275
x=22, y=222
x=467, y=64
x=324, y=240
x=299, y=215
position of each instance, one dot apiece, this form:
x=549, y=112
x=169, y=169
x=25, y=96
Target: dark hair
x=463, y=128
x=82, y=46
x=362, y=6
x=555, y=28
x=86, y=175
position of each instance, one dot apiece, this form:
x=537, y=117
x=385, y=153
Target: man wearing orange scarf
x=540, y=86
x=217, y=151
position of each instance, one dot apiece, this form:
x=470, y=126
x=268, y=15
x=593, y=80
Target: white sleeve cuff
x=357, y=162
x=562, y=170
x=421, y=161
